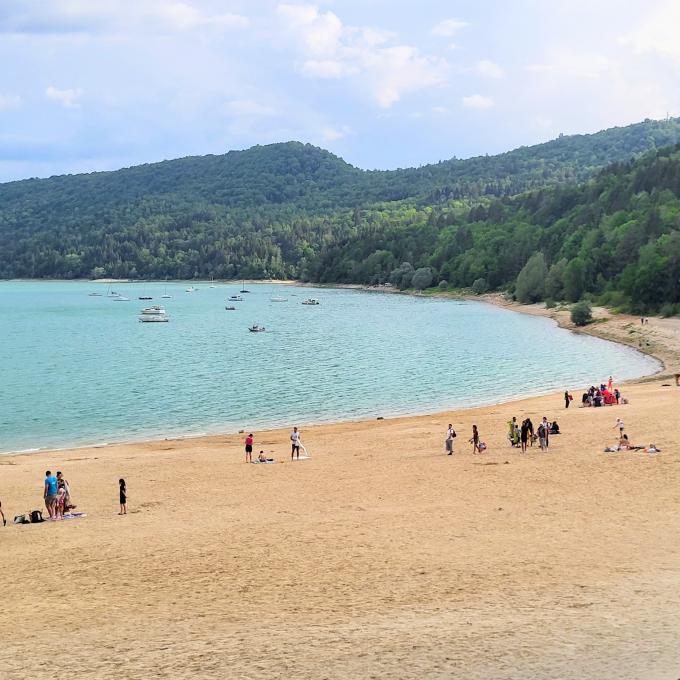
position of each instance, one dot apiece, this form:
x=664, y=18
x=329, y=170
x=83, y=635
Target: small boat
x=156, y=309
x=121, y=298
x=212, y=282
x=166, y=297
x=278, y=298
x=230, y=309
x=95, y=294
x=255, y=328
x=145, y=297
x=243, y=287
x=235, y=298
x=191, y=289
x=154, y=318
x=311, y=301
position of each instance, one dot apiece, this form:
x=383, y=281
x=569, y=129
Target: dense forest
x=597, y=213
x=616, y=238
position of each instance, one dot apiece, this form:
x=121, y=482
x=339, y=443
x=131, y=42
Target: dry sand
x=380, y=557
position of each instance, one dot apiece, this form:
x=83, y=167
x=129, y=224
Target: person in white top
x=294, y=443
x=450, y=434
x=619, y=424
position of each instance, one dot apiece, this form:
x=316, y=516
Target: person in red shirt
x=249, y=448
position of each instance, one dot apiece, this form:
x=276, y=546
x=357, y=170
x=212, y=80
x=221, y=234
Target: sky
x=89, y=85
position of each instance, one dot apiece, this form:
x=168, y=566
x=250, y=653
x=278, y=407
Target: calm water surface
x=79, y=370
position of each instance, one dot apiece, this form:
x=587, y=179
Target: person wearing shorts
x=294, y=444
x=249, y=448
x=51, y=493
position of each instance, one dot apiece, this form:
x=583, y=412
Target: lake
x=80, y=370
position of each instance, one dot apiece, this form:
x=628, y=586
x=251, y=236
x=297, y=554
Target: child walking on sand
x=123, y=497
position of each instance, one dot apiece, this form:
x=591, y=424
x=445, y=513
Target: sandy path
x=379, y=557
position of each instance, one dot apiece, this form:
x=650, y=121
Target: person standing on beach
x=249, y=448
x=295, y=444
x=524, y=435
x=619, y=424
x=50, y=493
x=610, y=384
x=450, y=435
x=542, y=437
x=567, y=398
x=546, y=427
x=474, y=440
x=4, y=521
x=122, y=496
x=530, y=425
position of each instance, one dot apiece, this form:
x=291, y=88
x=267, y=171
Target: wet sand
x=379, y=557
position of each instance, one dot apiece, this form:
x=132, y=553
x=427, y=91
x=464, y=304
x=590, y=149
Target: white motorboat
x=278, y=298
x=255, y=328
x=154, y=318
x=191, y=289
x=156, y=309
x=121, y=298
x=311, y=301
x=236, y=298
x=95, y=294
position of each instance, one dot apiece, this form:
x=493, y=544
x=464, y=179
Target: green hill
x=276, y=210
x=615, y=238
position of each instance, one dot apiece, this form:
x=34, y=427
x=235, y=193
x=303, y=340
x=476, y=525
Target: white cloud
x=67, y=98
x=659, y=32
x=327, y=68
x=320, y=31
x=477, y=101
x=448, y=27
x=578, y=65
x=489, y=69
x=440, y=110
x=9, y=101
x=331, y=134
x=330, y=49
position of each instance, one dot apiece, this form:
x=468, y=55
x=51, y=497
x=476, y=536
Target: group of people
x=295, y=445
x=524, y=435
x=478, y=446
x=57, y=495
x=604, y=395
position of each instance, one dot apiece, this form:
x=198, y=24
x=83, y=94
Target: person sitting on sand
x=624, y=444
x=262, y=458
x=554, y=427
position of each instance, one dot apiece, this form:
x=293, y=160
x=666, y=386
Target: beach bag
x=453, y=434
x=571, y=398
x=36, y=517
x=21, y=519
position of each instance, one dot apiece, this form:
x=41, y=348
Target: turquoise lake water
x=79, y=370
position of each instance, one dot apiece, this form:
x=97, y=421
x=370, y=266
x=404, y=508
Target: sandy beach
x=378, y=557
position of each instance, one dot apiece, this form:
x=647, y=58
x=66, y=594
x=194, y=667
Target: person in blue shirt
x=51, y=493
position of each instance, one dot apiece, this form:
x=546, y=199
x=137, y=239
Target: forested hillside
x=616, y=237
x=296, y=211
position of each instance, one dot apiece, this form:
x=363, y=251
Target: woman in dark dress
x=123, y=497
